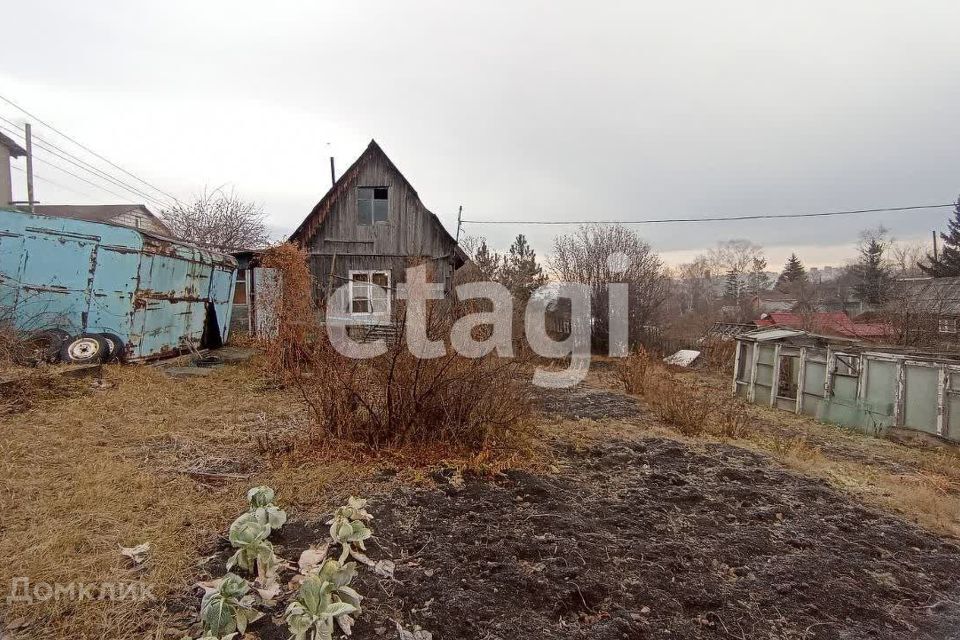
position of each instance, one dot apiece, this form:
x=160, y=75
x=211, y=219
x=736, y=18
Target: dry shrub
x=395, y=399
x=679, y=402
x=292, y=306
x=633, y=370
x=719, y=354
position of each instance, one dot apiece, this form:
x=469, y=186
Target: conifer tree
x=521, y=273
x=793, y=273
x=871, y=273
x=947, y=262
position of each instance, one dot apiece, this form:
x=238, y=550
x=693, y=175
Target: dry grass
x=166, y=461
x=684, y=407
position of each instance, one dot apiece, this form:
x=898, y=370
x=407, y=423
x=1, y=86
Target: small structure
x=155, y=295
x=254, y=296
x=367, y=229
x=848, y=382
x=8, y=149
x=135, y=216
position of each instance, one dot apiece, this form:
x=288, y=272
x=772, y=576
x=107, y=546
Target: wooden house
x=369, y=228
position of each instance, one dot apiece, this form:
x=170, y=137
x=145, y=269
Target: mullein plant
x=325, y=598
x=348, y=528
x=227, y=606
x=262, y=506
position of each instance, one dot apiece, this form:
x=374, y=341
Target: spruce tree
x=731, y=290
x=793, y=273
x=947, y=262
x=488, y=262
x=520, y=271
x=871, y=273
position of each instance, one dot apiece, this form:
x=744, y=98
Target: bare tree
x=221, y=220
x=598, y=255
x=905, y=257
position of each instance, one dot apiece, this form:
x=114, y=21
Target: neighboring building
x=828, y=323
x=772, y=300
x=927, y=310
x=367, y=229
x=254, y=296
x=846, y=382
x=135, y=216
x=8, y=149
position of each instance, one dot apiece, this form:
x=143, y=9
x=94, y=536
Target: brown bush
x=719, y=354
x=680, y=403
x=395, y=399
x=633, y=370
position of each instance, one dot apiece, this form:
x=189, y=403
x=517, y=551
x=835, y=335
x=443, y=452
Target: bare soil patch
x=586, y=402
x=640, y=539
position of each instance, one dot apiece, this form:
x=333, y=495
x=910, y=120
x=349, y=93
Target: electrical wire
x=52, y=182
x=720, y=218
x=87, y=149
x=81, y=164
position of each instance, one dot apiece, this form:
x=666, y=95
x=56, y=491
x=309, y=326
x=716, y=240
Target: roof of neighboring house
x=311, y=225
x=15, y=150
x=96, y=212
x=827, y=323
x=939, y=296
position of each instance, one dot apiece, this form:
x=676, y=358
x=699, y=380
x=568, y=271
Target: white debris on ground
x=683, y=358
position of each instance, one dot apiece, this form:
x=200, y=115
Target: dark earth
x=646, y=539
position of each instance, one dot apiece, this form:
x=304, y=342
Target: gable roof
x=828, y=323
x=309, y=228
x=95, y=212
x=940, y=296
x=15, y=150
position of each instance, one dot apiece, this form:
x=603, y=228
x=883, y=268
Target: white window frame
x=369, y=286
x=947, y=325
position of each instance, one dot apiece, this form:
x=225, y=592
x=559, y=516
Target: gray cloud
x=526, y=110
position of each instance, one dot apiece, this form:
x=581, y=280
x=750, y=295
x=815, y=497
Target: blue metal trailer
x=154, y=293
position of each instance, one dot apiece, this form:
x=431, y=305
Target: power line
x=720, y=218
x=87, y=149
x=52, y=182
x=43, y=144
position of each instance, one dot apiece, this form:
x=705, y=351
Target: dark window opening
x=788, y=383
x=372, y=205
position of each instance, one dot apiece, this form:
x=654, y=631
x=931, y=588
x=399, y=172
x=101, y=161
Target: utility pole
x=935, y=258
x=29, y=142
x=333, y=173
x=459, y=215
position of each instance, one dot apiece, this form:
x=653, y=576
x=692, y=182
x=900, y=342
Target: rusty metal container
x=155, y=293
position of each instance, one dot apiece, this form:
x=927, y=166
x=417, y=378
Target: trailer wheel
x=86, y=348
x=43, y=346
x=115, y=347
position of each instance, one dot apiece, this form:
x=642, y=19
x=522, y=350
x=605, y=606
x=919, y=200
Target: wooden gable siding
x=410, y=231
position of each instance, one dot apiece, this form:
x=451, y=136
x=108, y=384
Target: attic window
x=371, y=205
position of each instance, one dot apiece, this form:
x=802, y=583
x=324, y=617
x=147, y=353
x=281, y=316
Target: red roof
x=829, y=323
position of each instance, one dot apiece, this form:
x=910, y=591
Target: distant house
x=135, y=216
x=772, y=300
x=827, y=324
x=928, y=309
x=367, y=229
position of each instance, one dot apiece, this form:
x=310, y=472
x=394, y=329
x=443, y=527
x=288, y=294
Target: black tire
x=116, y=347
x=86, y=348
x=43, y=346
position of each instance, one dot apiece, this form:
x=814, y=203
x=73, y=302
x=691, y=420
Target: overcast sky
x=517, y=110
